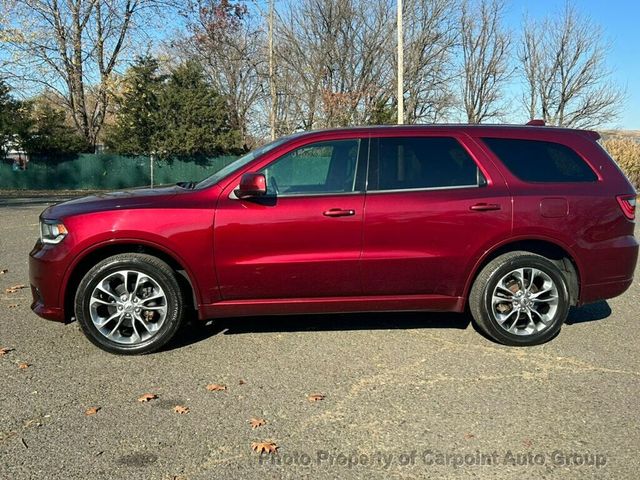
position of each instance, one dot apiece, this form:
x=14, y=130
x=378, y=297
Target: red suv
x=516, y=223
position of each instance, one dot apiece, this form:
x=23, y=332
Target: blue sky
x=620, y=20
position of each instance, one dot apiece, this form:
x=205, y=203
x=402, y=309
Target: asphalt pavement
x=397, y=395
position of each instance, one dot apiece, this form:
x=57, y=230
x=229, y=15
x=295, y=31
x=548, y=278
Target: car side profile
x=515, y=223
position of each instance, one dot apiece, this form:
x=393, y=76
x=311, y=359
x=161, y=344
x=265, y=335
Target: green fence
x=106, y=172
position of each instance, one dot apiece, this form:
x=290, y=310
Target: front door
x=304, y=238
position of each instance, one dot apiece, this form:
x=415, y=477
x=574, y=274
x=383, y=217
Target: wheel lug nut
x=119, y=307
x=123, y=298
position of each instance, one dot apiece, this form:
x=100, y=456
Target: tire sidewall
x=556, y=276
x=138, y=263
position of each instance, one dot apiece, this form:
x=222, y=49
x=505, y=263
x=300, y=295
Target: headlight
x=52, y=231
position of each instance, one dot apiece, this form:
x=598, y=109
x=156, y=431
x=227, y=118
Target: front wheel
x=129, y=304
x=520, y=299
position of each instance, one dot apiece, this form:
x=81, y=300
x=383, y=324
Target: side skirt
x=296, y=306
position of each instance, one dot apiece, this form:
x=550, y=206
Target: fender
x=129, y=241
x=515, y=239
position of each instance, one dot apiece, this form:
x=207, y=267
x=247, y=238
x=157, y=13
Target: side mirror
x=252, y=185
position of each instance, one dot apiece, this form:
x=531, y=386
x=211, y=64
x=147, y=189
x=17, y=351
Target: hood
x=137, y=198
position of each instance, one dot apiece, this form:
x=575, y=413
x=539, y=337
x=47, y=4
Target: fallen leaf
x=13, y=305
x=214, y=387
x=91, y=411
x=3, y=271
x=527, y=443
x=180, y=409
x=257, y=422
x=23, y=365
x=264, y=447
x=4, y=351
x=469, y=436
x=14, y=289
x=315, y=397
x=241, y=382
x=147, y=397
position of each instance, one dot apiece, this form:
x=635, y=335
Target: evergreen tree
x=7, y=117
x=137, y=117
x=193, y=117
x=44, y=131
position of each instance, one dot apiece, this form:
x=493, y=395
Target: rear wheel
x=520, y=299
x=129, y=304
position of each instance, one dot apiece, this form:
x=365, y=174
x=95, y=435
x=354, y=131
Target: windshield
x=241, y=162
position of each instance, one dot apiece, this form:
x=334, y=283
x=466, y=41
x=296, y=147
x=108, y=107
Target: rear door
x=431, y=210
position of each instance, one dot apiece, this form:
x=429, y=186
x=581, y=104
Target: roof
x=445, y=126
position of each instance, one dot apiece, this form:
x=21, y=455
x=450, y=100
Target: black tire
x=164, y=314
x=486, y=312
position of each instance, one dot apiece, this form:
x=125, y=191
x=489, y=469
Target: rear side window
x=405, y=163
x=536, y=161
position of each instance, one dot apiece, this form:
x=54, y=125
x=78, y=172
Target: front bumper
x=47, y=266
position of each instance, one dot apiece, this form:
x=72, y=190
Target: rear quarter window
x=539, y=161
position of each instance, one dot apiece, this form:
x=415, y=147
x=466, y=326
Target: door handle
x=485, y=207
x=339, y=212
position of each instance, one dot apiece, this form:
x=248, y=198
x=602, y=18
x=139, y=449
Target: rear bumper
x=608, y=268
x=602, y=291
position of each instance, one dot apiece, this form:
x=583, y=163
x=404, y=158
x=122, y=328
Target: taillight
x=628, y=205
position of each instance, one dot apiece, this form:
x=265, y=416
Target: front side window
x=317, y=168
x=405, y=163
x=537, y=161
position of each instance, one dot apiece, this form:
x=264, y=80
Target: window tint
x=324, y=167
x=422, y=162
x=535, y=161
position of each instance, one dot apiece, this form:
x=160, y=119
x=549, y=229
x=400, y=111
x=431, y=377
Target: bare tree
x=231, y=46
x=485, y=48
x=563, y=63
x=337, y=50
x=73, y=47
x=429, y=75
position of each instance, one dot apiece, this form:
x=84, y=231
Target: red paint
x=363, y=251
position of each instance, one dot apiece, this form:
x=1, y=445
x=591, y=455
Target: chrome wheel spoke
x=519, y=276
x=524, y=301
x=501, y=299
x=115, y=329
x=148, y=299
x=148, y=326
x=545, y=300
x=135, y=337
x=505, y=290
x=117, y=301
x=107, y=320
x=541, y=292
x=106, y=292
x=530, y=324
x=502, y=318
x=100, y=301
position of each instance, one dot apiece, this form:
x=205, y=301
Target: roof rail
x=536, y=122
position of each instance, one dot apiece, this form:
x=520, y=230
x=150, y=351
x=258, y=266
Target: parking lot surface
x=407, y=395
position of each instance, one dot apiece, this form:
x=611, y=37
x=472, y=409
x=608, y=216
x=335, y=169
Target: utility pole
x=400, y=66
x=272, y=83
